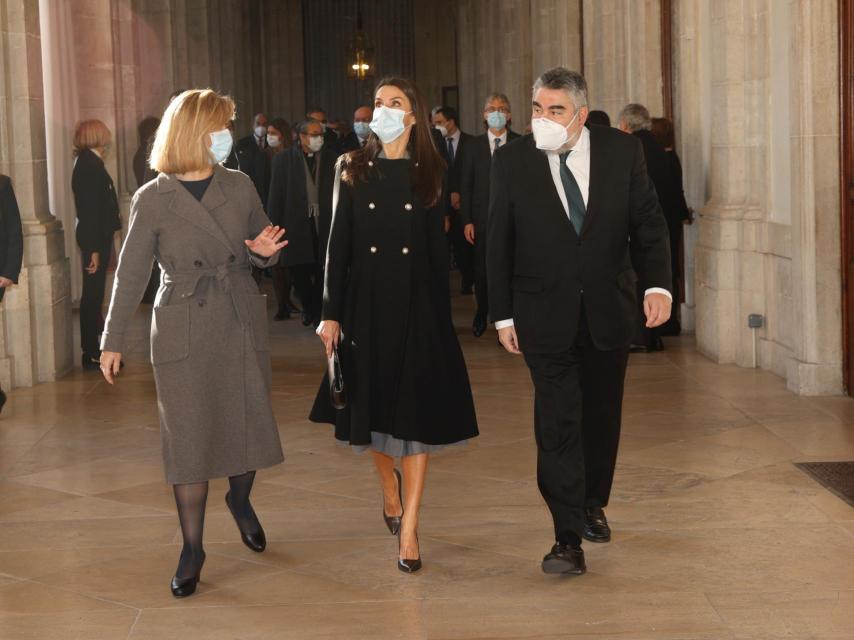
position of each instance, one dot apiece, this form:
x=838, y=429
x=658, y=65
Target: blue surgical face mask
x=220, y=149
x=388, y=123
x=362, y=129
x=496, y=120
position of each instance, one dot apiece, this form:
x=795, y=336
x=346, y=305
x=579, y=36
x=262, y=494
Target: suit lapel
x=185, y=206
x=542, y=169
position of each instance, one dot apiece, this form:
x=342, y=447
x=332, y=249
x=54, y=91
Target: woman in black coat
x=387, y=303
x=97, y=221
x=11, y=244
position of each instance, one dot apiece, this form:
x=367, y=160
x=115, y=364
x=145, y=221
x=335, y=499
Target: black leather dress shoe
x=256, y=540
x=183, y=587
x=282, y=314
x=478, y=326
x=596, y=527
x=306, y=319
x=563, y=559
x=91, y=362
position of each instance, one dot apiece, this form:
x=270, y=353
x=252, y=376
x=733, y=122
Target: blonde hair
x=90, y=134
x=180, y=145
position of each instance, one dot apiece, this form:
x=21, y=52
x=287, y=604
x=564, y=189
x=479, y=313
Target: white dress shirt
x=578, y=163
x=492, y=137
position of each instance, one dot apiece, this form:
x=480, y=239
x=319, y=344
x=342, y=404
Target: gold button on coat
x=371, y=205
x=405, y=250
x=373, y=249
x=407, y=206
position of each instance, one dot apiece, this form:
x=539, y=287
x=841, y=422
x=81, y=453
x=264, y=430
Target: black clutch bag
x=337, y=392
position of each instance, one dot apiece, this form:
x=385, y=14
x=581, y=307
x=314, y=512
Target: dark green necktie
x=574, y=199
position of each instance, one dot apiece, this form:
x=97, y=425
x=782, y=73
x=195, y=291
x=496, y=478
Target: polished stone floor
x=716, y=534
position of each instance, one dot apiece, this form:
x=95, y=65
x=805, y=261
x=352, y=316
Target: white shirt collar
x=455, y=137
x=492, y=137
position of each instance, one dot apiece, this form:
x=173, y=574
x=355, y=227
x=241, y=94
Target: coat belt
x=220, y=274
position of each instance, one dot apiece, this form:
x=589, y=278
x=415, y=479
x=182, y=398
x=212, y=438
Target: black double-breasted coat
x=387, y=284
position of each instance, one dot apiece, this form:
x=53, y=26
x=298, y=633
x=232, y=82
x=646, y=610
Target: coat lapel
x=598, y=170
x=185, y=206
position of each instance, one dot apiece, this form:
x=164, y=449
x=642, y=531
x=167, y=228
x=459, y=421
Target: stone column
x=35, y=344
x=622, y=54
x=815, y=366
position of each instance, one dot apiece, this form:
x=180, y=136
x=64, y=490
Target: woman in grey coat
x=204, y=225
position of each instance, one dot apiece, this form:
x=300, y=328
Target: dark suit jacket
x=288, y=205
x=454, y=168
x=350, y=142
x=253, y=161
x=473, y=179
x=11, y=236
x=96, y=202
x=539, y=267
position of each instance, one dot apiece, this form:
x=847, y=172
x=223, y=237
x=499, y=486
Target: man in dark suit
x=331, y=141
x=635, y=120
x=357, y=138
x=474, y=180
x=11, y=244
x=455, y=141
x=252, y=156
x=301, y=202
x=564, y=204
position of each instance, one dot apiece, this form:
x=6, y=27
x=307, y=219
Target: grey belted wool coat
x=209, y=345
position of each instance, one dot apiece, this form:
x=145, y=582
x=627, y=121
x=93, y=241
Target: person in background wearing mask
x=301, y=201
x=209, y=343
x=252, y=156
x=445, y=121
x=279, y=140
x=388, y=304
x=474, y=183
x=97, y=222
x=635, y=120
x=357, y=138
x=331, y=141
x=562, y=291
x=11, y=244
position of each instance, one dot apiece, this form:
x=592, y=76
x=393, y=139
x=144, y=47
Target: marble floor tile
x=716, y=534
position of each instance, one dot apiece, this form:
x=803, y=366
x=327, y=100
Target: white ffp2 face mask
x=550, y=135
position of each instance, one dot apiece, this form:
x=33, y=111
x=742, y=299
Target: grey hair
x=570, y=81
x=496, y=96
x=302, y=127
x=636, y=117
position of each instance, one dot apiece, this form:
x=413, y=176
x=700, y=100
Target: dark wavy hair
x=428, y=167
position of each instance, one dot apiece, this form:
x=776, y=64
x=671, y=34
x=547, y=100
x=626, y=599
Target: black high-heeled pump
x=256, y=541
x=393, y=522
x=183, y=587
x=409, y=566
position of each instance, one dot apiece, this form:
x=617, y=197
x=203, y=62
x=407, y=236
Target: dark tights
x=191, y=500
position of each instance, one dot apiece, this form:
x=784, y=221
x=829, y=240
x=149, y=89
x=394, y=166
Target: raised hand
x=267, y=243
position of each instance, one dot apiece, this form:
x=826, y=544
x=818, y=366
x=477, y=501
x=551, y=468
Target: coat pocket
x=258, y=319
x=528, y=284
x=627, y=280
x=170, y=333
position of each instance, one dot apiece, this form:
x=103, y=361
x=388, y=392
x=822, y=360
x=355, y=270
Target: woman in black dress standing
x=387, y=305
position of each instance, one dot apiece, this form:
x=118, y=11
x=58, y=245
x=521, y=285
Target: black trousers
x=308, y=284
x=463, y=251
x=480, y=284
x=577, y=412
x=92, y=301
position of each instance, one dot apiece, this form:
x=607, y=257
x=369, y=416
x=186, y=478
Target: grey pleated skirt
x=397, y=448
